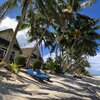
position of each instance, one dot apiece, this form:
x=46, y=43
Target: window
x=12, y=55
x=1, y=53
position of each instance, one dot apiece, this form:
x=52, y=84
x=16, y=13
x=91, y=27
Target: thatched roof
x=5, y=37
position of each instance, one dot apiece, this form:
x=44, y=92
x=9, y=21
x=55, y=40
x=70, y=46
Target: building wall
x=5, y=37
x=4, y=49
x=26, y=52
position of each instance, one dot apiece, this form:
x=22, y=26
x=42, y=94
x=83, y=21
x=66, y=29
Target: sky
x=10, y=22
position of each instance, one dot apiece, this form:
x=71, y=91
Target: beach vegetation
x=53, y=66
x=2, y=64
x=20, y=60
x=14, y=68
x=36, y=64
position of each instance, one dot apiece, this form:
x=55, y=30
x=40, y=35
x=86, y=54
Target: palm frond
x=7, y=6
x=96, y=27
x=87, y=3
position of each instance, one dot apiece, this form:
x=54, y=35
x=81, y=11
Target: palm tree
x=44, y=6
x=80, y=39
x=71, y=38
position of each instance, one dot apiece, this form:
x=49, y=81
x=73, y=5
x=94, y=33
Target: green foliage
x=81, y=68
x=53, y=66
x=50, y=66
x=1, y=64
x=20, y=60
x=57, y=69
x=14, y=68
x=36, y=64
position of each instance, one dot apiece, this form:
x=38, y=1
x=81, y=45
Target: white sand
x=65, y=87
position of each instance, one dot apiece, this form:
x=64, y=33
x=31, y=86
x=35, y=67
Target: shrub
x=53, y=67
x=36, y=64
x=14, y=68
x=45, y=67
x=57, y=68
x=20, y=60
x=2, y=64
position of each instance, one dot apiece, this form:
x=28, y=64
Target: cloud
x=48, y=55
x=29, y=45
x=22, y=38
x=53, y=55
x=95, y=64
x=8, y=23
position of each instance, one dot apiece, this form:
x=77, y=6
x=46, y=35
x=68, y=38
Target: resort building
x=35, y=54
x=5, y=37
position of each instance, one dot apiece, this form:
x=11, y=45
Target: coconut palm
x=70, y=33
x=80, y=40
x=44, y=6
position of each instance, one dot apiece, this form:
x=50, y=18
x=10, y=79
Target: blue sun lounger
x=37, y=76
x=42, y=74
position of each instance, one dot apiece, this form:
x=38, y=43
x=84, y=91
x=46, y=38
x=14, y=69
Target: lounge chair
x=32, y=74
x=77, y=76
x=39, y=77
x=42, y=74
x=38, y=71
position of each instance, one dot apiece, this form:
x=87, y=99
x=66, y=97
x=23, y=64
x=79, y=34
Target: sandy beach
x=62, y=87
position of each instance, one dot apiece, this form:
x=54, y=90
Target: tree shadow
x=14, y=90
x=1, y=97
x=86, y=88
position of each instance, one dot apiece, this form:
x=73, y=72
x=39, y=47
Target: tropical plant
x=20, y=61
x=36, y=64
x=78, y=38
x=81, y=67
x=49, y=64
x=14, y=68
x=53, y=65
x=75, y=40
x=1, y=64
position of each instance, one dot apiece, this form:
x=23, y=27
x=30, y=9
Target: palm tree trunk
x=28, y=59
x=61, y=56
x=38, y=50
x=56, y=50
x=6, y=59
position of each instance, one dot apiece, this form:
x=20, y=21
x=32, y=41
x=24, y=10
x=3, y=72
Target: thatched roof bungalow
x=5, y=37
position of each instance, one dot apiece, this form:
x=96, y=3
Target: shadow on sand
x=88, y=88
